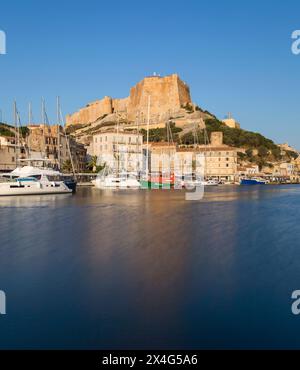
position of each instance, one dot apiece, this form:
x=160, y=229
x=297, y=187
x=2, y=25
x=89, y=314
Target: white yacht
x=30, y=180
x=117, y=181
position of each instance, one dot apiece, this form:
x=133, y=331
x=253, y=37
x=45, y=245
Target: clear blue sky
x=235, y=55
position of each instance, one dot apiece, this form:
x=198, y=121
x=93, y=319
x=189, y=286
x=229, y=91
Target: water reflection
x=149, y=269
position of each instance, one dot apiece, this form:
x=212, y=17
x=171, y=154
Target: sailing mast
x=29, y=123
x=148, y=124
x=58, y=133
x=61, y=120
x=43, y=123
x=16, y=133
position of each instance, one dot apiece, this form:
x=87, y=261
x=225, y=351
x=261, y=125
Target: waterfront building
x=51, y=142
x=7, y=153
x=119, y=147
x=161, y=156
x=248, y=170
x=221, y=160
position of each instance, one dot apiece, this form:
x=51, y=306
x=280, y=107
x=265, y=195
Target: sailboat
x=115, y=176
x=159, y=179
x=28, y=179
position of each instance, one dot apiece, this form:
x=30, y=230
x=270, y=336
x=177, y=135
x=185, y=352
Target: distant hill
x=256, y=148
x=6, y=130
x=9, y=131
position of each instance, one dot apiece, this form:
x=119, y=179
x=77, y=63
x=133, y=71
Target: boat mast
x=148, y=124
x=118, y=147
x=61, y=120
x=43, y=124
x=16, y=133
x=58, y=132
x=29, y=123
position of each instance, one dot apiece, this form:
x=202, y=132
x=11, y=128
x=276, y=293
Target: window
x=105, y=138
x=95, y=140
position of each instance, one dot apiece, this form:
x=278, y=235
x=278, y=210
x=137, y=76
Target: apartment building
x=118, y=148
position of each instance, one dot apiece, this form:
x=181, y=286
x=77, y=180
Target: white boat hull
x=34, y=188
x=109, y=183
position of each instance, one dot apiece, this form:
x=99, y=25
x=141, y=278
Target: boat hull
x=252, y=182
x=145, y=184
x=16, y=189
x=71, y=184
x=117, y=184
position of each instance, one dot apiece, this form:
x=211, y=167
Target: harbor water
x=148, y=269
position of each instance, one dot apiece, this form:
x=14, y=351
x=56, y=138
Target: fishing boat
x=253, y=181
x=157, y=181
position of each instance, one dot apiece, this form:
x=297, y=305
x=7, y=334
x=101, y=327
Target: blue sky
x=235, y=55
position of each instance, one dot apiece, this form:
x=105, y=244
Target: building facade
x=7, y=153
x=220, y=160
x=118, y=148
x=51, y=142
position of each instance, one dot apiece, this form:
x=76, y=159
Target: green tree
x=92, y=165
x=67, y=166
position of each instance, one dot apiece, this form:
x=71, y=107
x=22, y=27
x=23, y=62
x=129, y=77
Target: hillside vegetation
x=258, y=149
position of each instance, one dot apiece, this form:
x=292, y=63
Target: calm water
x=147, y=269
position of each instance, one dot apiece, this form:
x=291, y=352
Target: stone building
x=118, y=148
x=220, y=160
x=168, y=94
x=231, y=122
x=51, y=142
x=161, y=156
x=7, y=153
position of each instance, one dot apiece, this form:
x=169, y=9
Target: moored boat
x=157, y=181
x=32, y=185
x=37, y=173
x=253, y=181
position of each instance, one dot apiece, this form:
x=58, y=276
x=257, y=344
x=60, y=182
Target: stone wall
x=168, y=95
x=91, y=112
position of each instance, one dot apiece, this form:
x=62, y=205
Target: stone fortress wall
x=168, y=94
